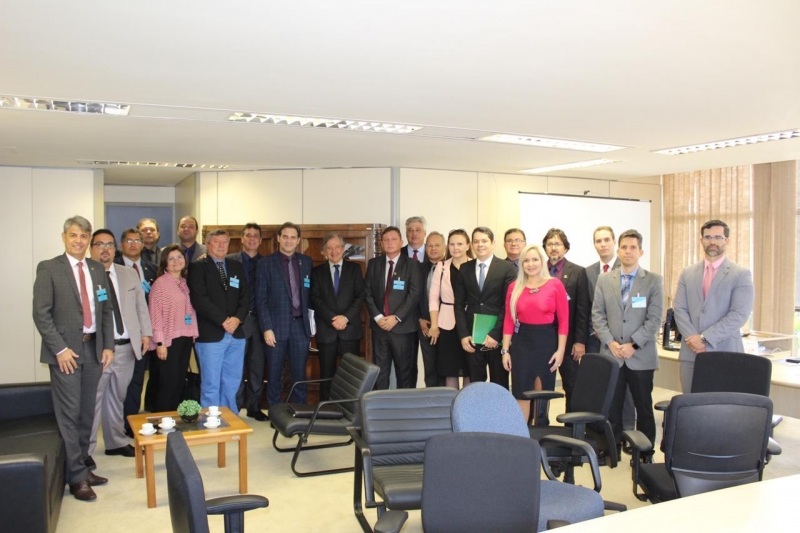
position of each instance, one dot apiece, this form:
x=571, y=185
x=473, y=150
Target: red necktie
x=416, y=257
x=388, y=289
x=605, y=269
x=85, y=307
x=136, y=268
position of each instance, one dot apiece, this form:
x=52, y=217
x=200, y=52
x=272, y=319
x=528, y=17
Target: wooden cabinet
x=364, y=237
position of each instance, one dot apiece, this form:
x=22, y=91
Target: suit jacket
x=153, y=257
x=251, y=327
x=133, y=307
x=149, y=274
x=512, y=262
x=212, y=303
x=58, y=313
x=404, y=251
x=403, y=303
x=327, y=304
x=198, y=251
x=490, y=301
x=637, y=325
x=274, y=296
x=577, y=285
x=425, y=269
x=592, y=273
x=720, y=316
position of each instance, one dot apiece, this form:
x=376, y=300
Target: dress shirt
x=610, y=266
x=251, y=280
x=333, y=270
x=92, y=292
x=478, y=263
x=115, y=282
x=285, y=265
x=622, y=279
x=559, y=268
x=224, y=266
x=189, y=252
x=130, y=263
x=420, y=252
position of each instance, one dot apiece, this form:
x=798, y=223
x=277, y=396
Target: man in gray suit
x=627, y=310
x=74, y=317
x=132, y=333
x=713, y=301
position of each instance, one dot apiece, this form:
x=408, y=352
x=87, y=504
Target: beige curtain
x=775, y=242
x=691, y=199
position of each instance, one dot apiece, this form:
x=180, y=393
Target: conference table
x=764, y=506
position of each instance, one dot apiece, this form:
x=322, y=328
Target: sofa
x=32, y=459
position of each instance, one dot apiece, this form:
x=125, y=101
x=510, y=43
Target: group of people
x=527, y=316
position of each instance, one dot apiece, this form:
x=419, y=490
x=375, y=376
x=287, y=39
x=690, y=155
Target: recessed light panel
x=47, y=104
x=152, y=164
x=730, y=143
x=545, y=142
x=328, y=123
x=567, y=166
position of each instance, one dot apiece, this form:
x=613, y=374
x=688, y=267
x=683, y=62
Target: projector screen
x=579, y=216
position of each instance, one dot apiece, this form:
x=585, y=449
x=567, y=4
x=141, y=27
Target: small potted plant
x=189, y=410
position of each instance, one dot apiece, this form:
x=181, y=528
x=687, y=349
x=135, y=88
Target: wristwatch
x=703, y=340
x=635, y=346
x=503, y=352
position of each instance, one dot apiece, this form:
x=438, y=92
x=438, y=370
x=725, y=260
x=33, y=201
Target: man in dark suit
x=187, y=235
x=415, y=233
x=481, y=288
x=514, y=242
x=337, y=294
x=435, y=248
x=556, y=245
x=283, y=282
x=74, y=317
x=255, y=354
x=221, y=298
x=392, y=297
x=150, y=235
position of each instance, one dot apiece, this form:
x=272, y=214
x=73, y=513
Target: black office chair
x=188, y=506
x=354, y=377
x=713, y=440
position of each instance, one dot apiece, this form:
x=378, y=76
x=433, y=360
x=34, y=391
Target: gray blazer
x=57, y=310
x=133, y=307
x=638, y=325
x=720, y=316
x=592, y=273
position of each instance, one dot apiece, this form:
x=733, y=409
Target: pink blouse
x=442, y=288
x=540, y=307
x=169, y=306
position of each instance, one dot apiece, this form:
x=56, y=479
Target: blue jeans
x=221, y=370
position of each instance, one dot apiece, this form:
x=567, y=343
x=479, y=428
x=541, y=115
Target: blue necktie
x=626, y=288
x=482, y=276
x=336, y=280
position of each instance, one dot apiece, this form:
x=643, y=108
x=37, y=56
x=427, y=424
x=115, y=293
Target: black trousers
x=172, y=374
x=628, y=410
x=569, y=374
x=133, y=398
x=640, y=383
x=399, y=348
x=432, y=377
x=477, y=367
x=255, y=361
x=328, y=351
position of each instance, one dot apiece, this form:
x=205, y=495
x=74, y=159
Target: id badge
x=102, y=295
x=187, y=319
x=145, y=286
x=399, y=285
x=234, y=281
x=516, y=326
x=306, y=283
x=639, y=302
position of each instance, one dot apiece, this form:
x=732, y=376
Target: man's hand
x=107, y=358
x=230, y=324
x=578, y=351
x=390, y=322
x=466, y=344
x=425, y=326
x=145, y=344
x=161, y=353
x=269, y=338
x=490, y=343
x=66, y=361
x=616, y=349
x=695, y=343
x=627, y=350
x=339, y=322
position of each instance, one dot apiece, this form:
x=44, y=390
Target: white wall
x=447, y=199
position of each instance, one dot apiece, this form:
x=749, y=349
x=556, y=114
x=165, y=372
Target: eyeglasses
x=718, y=238
x=103, y=245
x=554, y=245
x=132, y=241
x=514, y=241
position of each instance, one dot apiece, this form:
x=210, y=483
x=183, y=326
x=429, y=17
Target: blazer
x=327, y=304
x=58, y=313
x=212, y=303
x=251, y=327
x=403, y=303
x=133, y=307
x=720, y=316
x=274, y=296
x=637, y=325
x=198, y=251
x=404, y=251
x=490, y=301
x=425, y=269
x=577, y=285
x=149, y=274
x=592, y=273
x=442, y=297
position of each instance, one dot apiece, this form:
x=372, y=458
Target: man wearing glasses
x=514, y=243
x=713, y=301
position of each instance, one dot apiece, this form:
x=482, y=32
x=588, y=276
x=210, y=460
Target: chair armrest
x=553, y=524
x=391, y=522
x=365, y=455
x=663, y=405
x=773, y=448
x=776, y=419
x=306, y=381
x=614, y=506
x=316, y=413
x=580, y=446
x=637, y=440
x=580, y=417
x=235, y=504
x=542, y=395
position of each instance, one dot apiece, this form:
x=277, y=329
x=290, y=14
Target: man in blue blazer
x=713, y=301
x=283, y=280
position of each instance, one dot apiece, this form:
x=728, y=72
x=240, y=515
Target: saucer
x=210, y=426
x=147, y=433
x=162, y=425
x=218, y=413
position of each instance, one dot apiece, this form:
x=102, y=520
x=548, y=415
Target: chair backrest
x=489, y=408
x=715, y=440
x=187, y=498
x=481, y=482
x=396, y=423
x=595, y=384
x=354, y=377
x=732, y=372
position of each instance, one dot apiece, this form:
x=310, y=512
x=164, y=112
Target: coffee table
x=231, y=429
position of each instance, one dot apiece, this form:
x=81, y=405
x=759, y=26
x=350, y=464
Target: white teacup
x=213, y=410
x=168, y=421
x=213, y=421
x=147, y=427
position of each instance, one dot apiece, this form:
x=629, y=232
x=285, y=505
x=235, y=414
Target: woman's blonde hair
x=522, y=276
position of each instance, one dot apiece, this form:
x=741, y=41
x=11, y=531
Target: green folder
x=481, y=326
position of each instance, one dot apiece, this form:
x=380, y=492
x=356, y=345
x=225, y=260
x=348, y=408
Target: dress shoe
x=89, y=462
x=129, y=433
x=125, y=451
x=82, y=491
x=94, y=480
x=258, y=415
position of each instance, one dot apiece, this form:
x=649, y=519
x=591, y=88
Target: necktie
x=112, y=295
x=605, y=269
x=482, y=275
x=85, y=307
x=136, y=268
x=388, y=288
x=222, y=275
x=707, y=279
x=293, y=285
x=553, y=270
x=336, y=279
x=188, y=254
x=626, y=288
x=416, y=257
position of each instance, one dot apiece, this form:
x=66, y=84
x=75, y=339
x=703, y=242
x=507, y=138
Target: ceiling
x=646, y=75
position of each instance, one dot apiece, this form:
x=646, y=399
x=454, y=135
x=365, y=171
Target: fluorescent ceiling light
x=152, y=164
x=730, y=143
x=49, y=104
x=329, y=123
x=568, y=166
x=544, y=142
